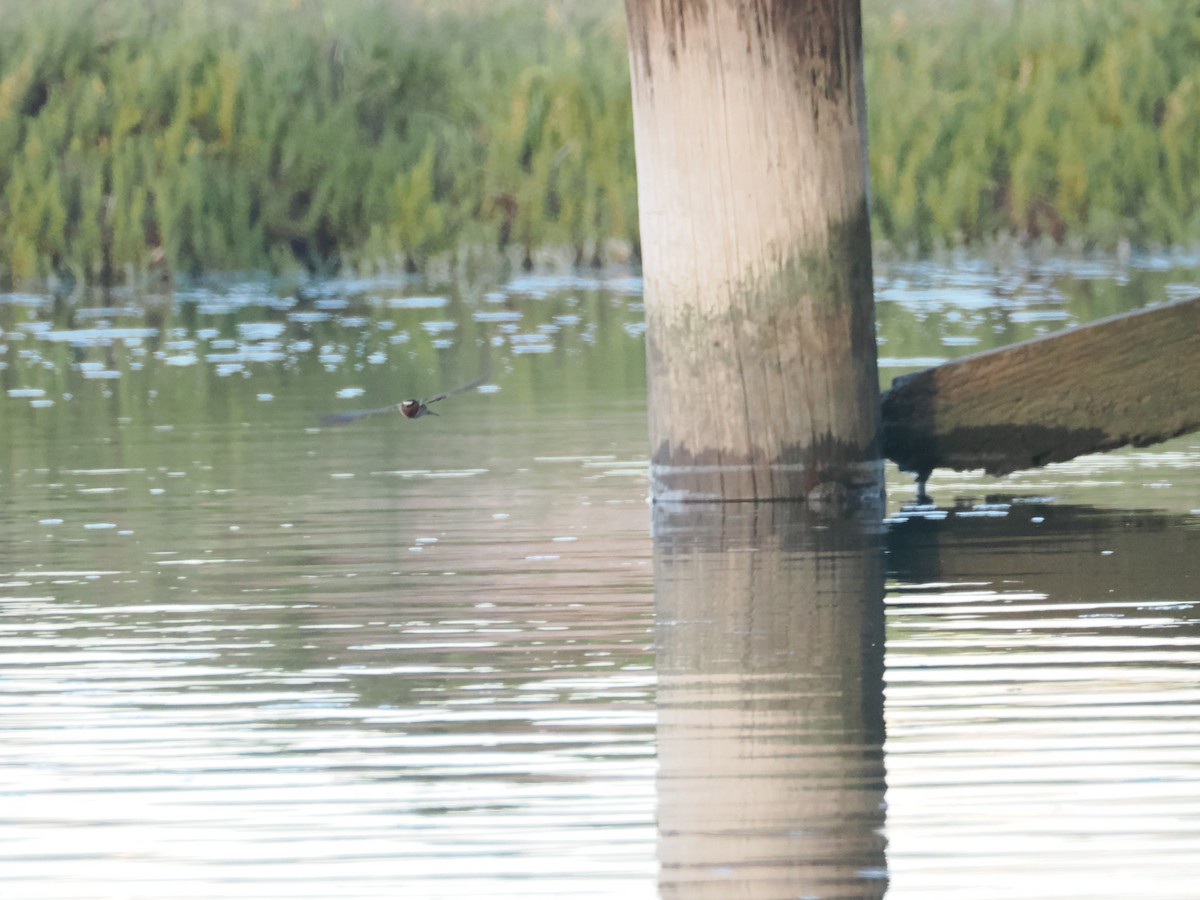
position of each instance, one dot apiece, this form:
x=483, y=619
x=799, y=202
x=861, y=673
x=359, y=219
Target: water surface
x=245, y=656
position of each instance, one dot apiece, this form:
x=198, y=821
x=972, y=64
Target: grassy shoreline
x=142, y=141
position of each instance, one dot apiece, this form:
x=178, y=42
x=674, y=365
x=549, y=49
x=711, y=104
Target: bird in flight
x=410, y=409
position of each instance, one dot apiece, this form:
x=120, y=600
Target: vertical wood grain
x=750, y=129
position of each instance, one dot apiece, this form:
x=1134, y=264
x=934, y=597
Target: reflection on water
x=770, y=703
x=1042, y=704
x=273, y=661
x=244, y=656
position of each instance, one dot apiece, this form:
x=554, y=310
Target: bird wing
x=345, y=418
x=470, y=385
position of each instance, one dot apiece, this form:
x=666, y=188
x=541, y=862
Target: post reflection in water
x=769, y=649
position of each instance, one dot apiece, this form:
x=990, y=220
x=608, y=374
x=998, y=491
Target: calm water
x=242, y=656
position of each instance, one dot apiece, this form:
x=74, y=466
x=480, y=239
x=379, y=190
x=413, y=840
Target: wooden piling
x=752, y=181
x=1132, y=379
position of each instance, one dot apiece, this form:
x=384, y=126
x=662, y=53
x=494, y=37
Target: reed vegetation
x=1077, y=122
x=150, y=139
x=143, y=137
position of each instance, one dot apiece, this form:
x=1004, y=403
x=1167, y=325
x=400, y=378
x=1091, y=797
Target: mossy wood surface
x=751, y=151
x=1132, y=379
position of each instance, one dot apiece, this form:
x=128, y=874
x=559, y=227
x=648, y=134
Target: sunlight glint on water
x=243, y=656
x=1042, y=716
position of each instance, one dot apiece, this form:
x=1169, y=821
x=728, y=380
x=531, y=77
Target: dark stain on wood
x=824, y=37
x=1128, y=380
x=917, y=447
x=839, y=470
x=672, y=19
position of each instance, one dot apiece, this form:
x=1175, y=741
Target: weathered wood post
x=752, y=182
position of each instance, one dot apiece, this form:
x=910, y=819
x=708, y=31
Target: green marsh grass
x=143, y=141
x=1078, y=122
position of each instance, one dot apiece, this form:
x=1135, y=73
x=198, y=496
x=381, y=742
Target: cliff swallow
x=410, y=409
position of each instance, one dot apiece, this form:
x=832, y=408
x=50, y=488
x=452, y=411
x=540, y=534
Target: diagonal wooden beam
x=1132, y=379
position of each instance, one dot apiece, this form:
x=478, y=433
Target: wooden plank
x=1132, y=379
